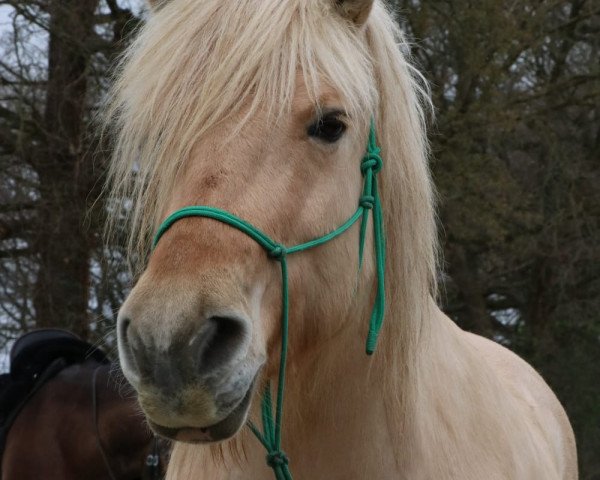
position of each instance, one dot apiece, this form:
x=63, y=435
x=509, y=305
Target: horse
x=236, y=122
x=81, y=423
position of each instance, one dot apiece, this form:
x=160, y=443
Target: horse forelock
x=195, y=63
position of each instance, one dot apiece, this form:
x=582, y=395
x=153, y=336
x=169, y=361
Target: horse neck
x=339, y=402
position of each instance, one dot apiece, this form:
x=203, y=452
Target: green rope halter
x=371, y=164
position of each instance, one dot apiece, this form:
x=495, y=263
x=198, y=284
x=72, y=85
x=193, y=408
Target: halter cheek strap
x=371, y=164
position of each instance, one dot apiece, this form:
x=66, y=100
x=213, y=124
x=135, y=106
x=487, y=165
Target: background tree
x=53, y=73
x=515, y=158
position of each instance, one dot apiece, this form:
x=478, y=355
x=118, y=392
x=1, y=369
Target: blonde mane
x=197, y=62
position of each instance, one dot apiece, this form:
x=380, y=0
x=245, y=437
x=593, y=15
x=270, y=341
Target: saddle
x=36, y=350
x=35, y=358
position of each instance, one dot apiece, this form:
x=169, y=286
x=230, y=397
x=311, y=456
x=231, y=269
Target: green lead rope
x=371, y=164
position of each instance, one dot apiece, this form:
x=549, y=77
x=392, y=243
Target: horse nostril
x=220, y=341
x=123, y=329
x=129, y=351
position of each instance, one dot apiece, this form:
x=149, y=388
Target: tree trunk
x=63, y=167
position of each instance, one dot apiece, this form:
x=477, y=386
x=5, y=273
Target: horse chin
x=217, y=432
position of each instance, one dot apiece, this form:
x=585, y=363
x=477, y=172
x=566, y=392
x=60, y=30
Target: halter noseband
x=369, y=200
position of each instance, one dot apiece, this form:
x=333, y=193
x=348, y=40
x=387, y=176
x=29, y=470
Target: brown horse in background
x=84, y=423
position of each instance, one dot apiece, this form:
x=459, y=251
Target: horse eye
x=328, y=128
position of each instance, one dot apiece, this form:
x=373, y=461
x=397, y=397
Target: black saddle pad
x=34, y=351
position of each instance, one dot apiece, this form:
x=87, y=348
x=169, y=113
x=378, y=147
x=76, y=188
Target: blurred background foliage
x=515, y=157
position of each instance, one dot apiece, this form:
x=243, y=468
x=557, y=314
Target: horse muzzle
x=195, y=387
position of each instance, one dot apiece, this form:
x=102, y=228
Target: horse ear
x=356, y=11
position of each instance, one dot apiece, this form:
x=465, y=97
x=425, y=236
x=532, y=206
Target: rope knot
x=371, y=161
x=277, y=459
x=277, y=252
x=367, y=201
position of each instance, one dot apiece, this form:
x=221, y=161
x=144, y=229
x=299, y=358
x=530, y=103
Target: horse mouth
x=219, y=431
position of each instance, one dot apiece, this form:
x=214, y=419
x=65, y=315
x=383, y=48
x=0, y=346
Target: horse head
x=262, y=110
